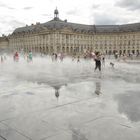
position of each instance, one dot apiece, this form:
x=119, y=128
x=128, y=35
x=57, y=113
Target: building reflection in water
x=57, y=90
x=98, y=88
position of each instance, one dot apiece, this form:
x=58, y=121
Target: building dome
x=56, y=12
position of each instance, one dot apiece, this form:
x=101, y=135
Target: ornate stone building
x=62, y=36
x=4, y=43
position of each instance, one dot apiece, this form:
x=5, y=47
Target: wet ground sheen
x=46, y=100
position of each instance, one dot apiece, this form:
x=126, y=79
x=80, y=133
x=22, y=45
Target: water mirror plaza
x=68, y=100
x=69, y=75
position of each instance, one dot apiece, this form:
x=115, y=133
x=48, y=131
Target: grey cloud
x=27, y=8
x=4, y=31
x=6, y=6
x=72, y=12
x=47, y=15
x=2, y=5
x=16, y=24
x=109, y=19
x=7, y=19
x=9, y=23
x=13, y=24
x=129, y=4
x=103, y=19
x=95, y=6
x=9, y=31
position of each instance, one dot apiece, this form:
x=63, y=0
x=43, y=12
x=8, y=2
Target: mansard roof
x=58, y=24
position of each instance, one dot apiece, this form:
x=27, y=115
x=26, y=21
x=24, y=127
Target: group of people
x=97, y=57
x=55, y=56
x=29, y=57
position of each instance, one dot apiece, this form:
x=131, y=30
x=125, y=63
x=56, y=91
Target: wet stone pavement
x=47, y=100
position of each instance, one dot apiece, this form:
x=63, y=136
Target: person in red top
x=16, y=56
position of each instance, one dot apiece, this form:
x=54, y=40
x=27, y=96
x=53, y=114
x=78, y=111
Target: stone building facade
x=4, y=43
x=62, y=36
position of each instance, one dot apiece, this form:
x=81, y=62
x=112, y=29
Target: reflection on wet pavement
x=98, y=88
x=129, y=104
x=57, y=93
x=47, y=100
x=57, y=88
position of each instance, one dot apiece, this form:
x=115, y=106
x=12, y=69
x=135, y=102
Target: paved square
x=47, y=100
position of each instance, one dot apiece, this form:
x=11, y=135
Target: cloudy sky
x=18, y=13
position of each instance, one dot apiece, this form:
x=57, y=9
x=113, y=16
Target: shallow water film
x=68, y=100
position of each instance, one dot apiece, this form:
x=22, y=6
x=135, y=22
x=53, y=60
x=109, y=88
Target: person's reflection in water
x=57, y=93
x=57, y=88
x=98, y=88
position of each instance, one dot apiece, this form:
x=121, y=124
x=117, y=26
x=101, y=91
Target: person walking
x=97, y=61
x=16, y=57
x=30, y=56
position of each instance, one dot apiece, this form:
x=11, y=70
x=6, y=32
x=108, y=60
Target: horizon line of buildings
x=57, y=36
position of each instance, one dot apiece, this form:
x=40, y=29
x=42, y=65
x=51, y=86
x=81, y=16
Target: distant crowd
x=96, y=56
